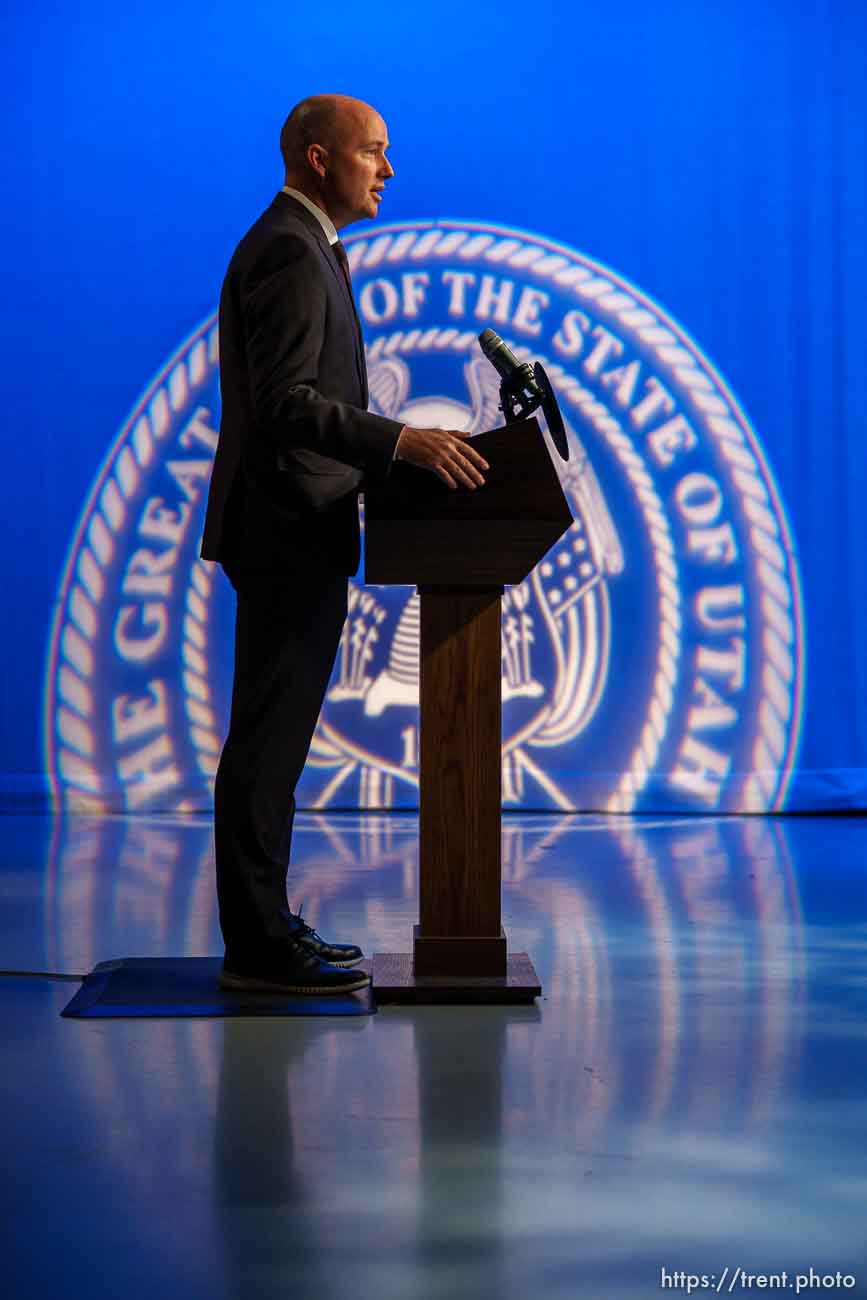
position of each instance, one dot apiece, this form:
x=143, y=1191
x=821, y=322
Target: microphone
x=516, y=375
x=524, y=389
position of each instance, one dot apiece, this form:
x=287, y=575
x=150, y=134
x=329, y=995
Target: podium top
x=419, y=531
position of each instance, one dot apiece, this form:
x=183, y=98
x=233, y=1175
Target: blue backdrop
x=678, y=189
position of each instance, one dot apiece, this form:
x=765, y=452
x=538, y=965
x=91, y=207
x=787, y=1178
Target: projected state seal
x=653, y=659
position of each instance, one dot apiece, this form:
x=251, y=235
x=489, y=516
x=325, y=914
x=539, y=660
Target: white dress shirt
x=322, y=217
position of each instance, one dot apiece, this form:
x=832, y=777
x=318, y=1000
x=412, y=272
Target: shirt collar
x=322, y=217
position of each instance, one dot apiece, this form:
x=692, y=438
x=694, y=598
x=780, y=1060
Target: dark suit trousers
x=287, y=632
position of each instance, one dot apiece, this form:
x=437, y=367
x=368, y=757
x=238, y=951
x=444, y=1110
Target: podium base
x=460, y=954
x=395, y=980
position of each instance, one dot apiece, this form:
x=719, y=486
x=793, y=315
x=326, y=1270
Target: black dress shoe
x=336, y=954
x=288, y=967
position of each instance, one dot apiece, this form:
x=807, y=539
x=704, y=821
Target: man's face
x=356, y=167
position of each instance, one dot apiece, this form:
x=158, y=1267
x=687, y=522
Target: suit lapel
x=327, y=255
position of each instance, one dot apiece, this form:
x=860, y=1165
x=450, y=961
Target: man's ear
x=317, y=156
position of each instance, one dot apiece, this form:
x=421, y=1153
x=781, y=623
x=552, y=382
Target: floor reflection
x=689, y=1092
x=625, y=921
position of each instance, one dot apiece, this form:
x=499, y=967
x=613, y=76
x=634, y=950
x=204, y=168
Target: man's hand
x=445, y=452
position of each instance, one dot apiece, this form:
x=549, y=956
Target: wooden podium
x=460, y=547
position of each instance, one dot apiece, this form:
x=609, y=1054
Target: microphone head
x=488, y=341
x=501, y=358
x=516, y=374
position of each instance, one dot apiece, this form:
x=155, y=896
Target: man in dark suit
x=297, y=444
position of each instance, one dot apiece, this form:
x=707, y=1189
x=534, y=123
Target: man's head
x=334, y=151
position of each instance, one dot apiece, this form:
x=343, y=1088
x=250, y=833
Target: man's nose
x=386, y=170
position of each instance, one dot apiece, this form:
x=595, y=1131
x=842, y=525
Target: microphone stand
x=526, y=389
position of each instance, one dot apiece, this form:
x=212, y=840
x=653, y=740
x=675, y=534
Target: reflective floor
x=689, y=1095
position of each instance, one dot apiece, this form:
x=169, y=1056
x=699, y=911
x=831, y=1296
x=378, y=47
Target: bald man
x=296, y=446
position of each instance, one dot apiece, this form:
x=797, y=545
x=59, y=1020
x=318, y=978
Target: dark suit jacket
x=296, y=440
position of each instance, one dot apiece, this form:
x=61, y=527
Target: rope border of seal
x=75, y=782
x=76, y=622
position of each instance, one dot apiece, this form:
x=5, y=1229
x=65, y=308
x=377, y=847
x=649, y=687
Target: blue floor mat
x=136, y=987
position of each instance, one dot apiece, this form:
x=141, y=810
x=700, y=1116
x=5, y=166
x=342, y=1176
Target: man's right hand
x=444, y=452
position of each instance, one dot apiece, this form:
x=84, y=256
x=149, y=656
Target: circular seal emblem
x=652, y=660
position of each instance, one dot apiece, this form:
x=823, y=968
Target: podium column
x=459, y=930
x=459, y=947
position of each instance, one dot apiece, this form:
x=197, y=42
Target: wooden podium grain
x=460, y=548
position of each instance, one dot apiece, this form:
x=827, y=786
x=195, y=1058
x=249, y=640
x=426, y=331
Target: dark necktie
x=340, y=254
